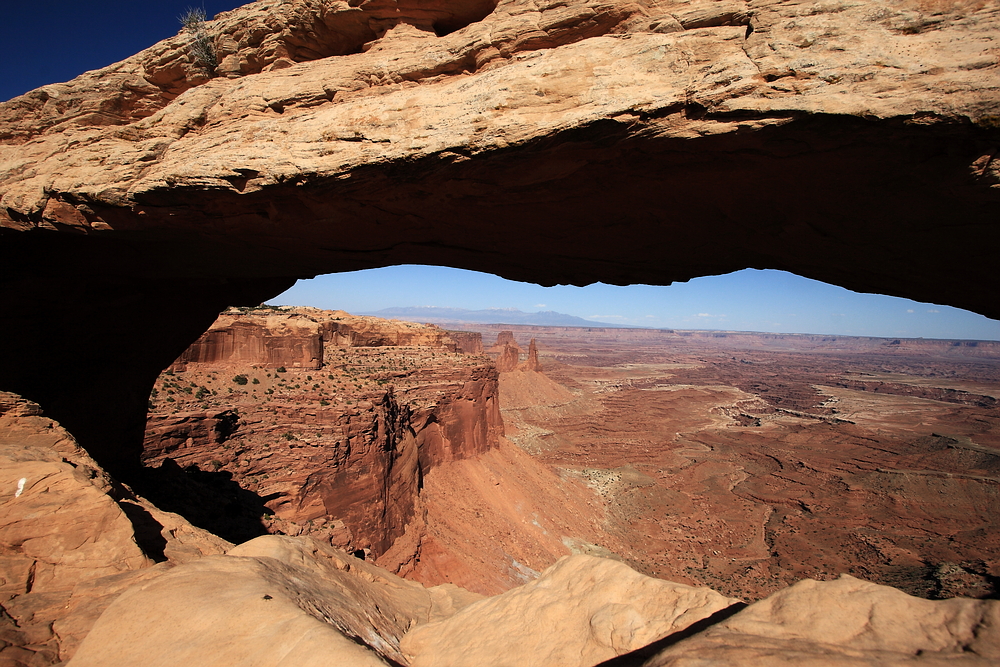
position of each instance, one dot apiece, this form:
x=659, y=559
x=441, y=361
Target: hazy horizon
x=761, y=301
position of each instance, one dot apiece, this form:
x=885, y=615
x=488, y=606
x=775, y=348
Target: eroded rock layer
x=388, y=450
x=331, y=420
x=269, y=337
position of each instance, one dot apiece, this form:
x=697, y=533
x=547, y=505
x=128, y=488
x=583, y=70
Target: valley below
x=747, y=462
x=401, y=494
x=743, y=462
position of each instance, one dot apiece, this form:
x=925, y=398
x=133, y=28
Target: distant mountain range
x=435, y=315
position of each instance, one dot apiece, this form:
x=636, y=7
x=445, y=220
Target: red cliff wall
x=468, y=342
x=252, y=343
x=295, y=337
x=344, y=464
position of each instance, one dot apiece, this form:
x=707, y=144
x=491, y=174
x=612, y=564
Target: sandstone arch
x=564, y=142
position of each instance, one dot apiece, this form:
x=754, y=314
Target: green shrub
x=281, y=369
x=240, y=379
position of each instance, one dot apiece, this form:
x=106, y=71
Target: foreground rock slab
x=844, y=623
x=71, y=538
x=272, y=601
x=581, y=611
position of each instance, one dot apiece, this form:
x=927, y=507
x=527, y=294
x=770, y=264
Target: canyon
x=569, y=142
x=747, y=462
x=385, y=440
x=630, y=490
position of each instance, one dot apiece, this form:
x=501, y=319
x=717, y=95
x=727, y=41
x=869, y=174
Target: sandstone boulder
x=274, y=601
x=846, y=622
x=581, y=611
x=71, y=538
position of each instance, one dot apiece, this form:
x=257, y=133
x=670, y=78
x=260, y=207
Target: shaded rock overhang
x=571, y=142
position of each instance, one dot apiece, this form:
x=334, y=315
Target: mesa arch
x=564, y=142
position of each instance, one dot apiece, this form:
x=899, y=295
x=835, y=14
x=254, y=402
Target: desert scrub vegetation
x=202, y=49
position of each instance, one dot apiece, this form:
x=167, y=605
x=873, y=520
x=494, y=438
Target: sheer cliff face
x=295, y=337
x=339, y=452
x=630, y=142
x=249, y=343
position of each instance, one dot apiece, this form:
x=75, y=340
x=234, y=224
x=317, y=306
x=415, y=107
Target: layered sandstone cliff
x=393, y=451
x=339, y=451
x=273, y=337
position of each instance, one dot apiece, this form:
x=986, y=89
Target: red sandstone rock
x=505, y=338
x=295, y=337
x=509, y=358
x=468, y=342
x=532, y=363
x=343, y=457
x=71, y=538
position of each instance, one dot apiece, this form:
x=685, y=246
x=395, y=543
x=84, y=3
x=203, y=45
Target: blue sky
x=748, y=300
x=48, y=41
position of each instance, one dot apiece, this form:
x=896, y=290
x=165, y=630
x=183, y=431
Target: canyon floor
x=621, y=495
x=748, y=462
x=743, y=462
